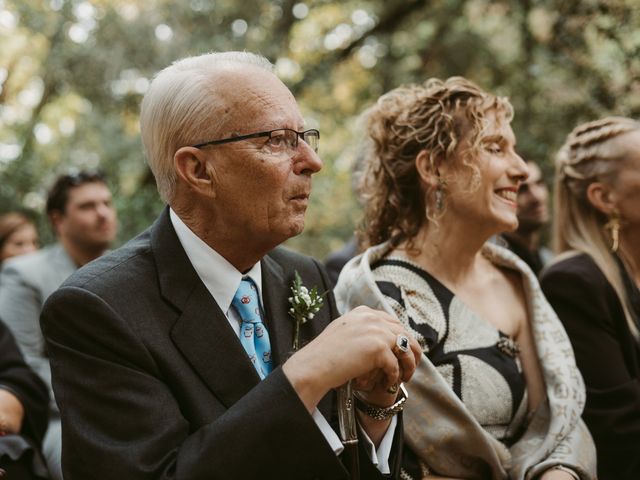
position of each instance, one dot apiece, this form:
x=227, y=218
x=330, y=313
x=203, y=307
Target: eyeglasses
x=279, y=138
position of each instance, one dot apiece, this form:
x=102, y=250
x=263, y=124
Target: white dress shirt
x=222, y=281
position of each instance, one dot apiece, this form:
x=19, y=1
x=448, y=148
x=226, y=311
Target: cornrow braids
x=593, y=152
x=432, y=116
x=585, y=144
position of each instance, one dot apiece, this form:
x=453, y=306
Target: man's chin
x=531, y=225
x=99, y=244
x=296, y=228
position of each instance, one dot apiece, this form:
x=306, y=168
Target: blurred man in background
x=533, y=215
x=84, y=221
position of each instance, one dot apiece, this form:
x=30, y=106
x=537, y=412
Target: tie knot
x=246, y=301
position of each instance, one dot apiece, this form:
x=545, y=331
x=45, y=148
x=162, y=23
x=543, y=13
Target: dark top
x=19, y=379
x=536, y=259
x=477, y=360
x=608, y=357
x=336, y=260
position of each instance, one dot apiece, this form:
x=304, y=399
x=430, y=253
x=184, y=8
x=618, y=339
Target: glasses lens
x=291, y=137
x=312, y=137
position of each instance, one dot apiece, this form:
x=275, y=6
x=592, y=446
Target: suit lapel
x=275, y=292
x=276, y=286
x=205, y=338
x=202, y=332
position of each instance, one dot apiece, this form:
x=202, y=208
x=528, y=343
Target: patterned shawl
x=439, y=428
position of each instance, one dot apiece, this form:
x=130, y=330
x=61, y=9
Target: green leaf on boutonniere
x=303, y=305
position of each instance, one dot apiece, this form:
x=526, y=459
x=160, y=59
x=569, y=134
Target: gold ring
x=393, y=388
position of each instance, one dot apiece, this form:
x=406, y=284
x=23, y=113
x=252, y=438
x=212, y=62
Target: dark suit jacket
x=152, y=382
x=608, y=357
x=19, y=379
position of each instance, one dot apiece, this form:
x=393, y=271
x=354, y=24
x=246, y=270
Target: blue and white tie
x=253, y=333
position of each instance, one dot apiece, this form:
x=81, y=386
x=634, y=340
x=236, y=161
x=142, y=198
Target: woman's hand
x=11, y=413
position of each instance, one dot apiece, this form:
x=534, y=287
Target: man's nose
x=539, y=191
x=105, y=211
x=306, y=160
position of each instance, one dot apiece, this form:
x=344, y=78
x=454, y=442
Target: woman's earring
x=440, y=194
x=613, y=225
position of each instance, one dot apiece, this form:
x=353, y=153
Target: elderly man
x=84, y=221
x=160, y=369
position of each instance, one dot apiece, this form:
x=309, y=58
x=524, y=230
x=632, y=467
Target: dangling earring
x=613, y=225
x=440, y=194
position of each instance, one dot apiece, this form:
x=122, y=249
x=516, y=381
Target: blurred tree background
x=72, y=74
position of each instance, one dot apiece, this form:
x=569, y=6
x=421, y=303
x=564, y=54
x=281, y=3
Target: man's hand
x=555, y=474
x=357, y=346
x=11, y=412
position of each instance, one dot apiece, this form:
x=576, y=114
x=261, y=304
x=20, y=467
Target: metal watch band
x=383, y=413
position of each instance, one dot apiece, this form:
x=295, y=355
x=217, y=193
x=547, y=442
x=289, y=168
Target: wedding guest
x=84, y=220
x=533, y=215
x=23, y=414
x=18, y=235
x=497, y=393
x=336, y=260
x=173, y=356
x=593, y=286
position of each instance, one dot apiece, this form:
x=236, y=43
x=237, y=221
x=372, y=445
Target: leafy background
x=72, y=74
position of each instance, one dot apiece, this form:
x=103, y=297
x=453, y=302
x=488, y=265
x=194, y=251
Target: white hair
x=177, y=109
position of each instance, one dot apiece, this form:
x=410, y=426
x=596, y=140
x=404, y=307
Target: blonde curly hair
x=434, y=117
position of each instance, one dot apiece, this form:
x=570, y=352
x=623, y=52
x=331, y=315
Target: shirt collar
x=220, y=277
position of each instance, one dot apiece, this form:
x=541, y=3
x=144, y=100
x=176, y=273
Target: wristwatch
x=382, y=413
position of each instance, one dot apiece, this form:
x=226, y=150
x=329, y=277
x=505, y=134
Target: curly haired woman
x=497, y=393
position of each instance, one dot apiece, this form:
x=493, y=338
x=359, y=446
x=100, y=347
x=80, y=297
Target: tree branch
x=389, y=21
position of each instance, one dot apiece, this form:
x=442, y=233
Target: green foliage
x=72, y=74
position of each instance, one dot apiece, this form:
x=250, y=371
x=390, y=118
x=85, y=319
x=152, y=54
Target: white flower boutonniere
x=304, y=304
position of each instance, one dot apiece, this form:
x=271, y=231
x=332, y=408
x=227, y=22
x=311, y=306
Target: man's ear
x=55, y=217
x=601, y=197
x=426, y=171
x=194, y=170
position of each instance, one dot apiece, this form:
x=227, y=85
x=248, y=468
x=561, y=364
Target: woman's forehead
x=489, y=125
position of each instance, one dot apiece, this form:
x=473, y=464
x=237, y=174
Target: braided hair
x=593, y=152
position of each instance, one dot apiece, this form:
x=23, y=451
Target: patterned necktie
x=253, y=334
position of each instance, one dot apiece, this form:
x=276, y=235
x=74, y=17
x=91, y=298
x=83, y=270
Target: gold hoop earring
x=613, y=226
